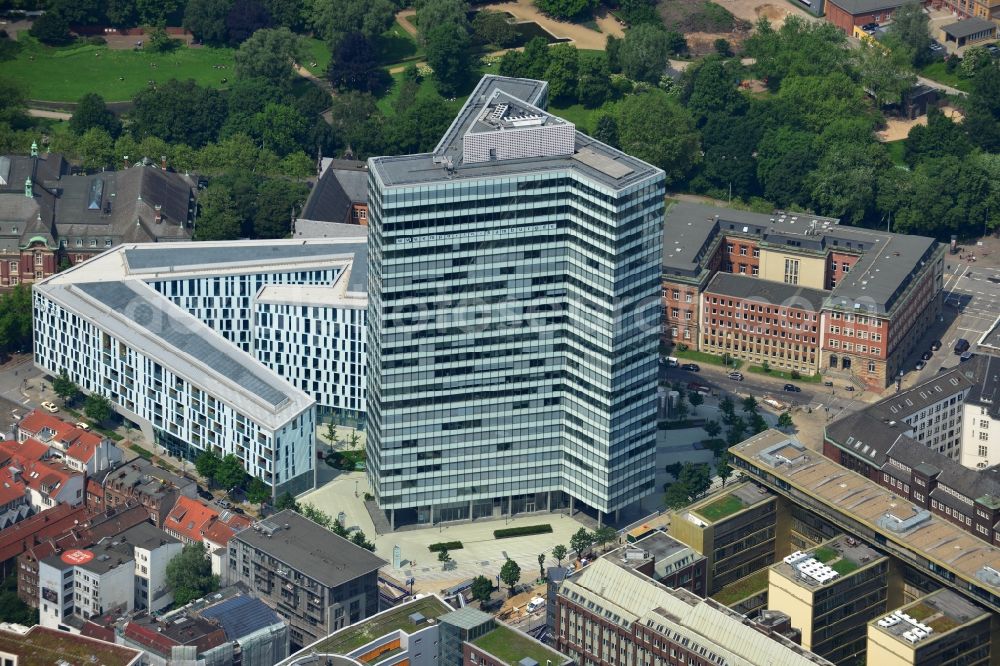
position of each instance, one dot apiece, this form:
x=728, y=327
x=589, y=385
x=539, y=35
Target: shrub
x=796, y=374
x=444, y=545
x=96, y=40
x=522, y=531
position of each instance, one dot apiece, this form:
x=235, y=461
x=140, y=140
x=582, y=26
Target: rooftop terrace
x=45, y=647
x=395, y=619
x=511, y=647
x=828, y=563
x=930, y=617
x=720, y=506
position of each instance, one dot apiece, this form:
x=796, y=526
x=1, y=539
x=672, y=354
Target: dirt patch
x=693, y=16
x=703, y=43
x=897, y=129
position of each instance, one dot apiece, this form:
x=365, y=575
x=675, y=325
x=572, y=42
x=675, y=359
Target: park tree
x=52, y=29
x=230, y=473
x=217, y=219
x=910, y=27
x=279, y=128
x=723, y=467
x=189, y=574
x=354, y=65
x=541, y=565
x=78, y=12
x=15, y=320
x=98, y=408
x=568, y=10
x=277, y=203
x=607, y=130
x=843, y=183
x=269, y=54
x=712, y=428
x=982, y=109
x=644, y=52
x=885, y=74
x=418, y=127
x=676, y=496
x=158, y=41
x=974, y=59
x=332, y=19
x=245, y=18
x=121, y=13
x=178, y=112
x=723, y=47
x=604, y=535
x=510, y=574
x=482, y=589
x=800, y=48
x=941, y=136
x=64, y=387
x=785, y=157
x=448, y=55
x=581, y=541
x=634, y=12
x=357, y=122
x=489, y=27
x=206, y=19
x=563, y=73
x=287, y=13
x=95, y=149
x=207, y=464
x=709, y=88
x=593, y=87
x=559, y=552
x=91, y=111
x=695, y=399
x=257, y=491
x=431, y=14
x=654, y=127
x=156, y=12
x=785, y=420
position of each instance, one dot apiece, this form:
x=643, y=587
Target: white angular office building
x=512, y=336
x=234, y=347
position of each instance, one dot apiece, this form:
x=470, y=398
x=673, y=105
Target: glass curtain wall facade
x=512, y=339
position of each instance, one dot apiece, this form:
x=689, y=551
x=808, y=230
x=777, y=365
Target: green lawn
x=585, y=119
x=844, y=566
x=936, y=71
x=720, y=508
x=824, y=554
x=743, y=588
x=64, y=74
x=319, y=53
x=781, y=374
x=895, y=149
x=427, y=89
x=398, y=46
x=702, y=357
x=353, y=637
x=512, y=647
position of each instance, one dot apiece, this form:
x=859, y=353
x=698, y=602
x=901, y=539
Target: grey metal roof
x=864, y=6
x=304, y=228
x=986, y=388
x=167, y=258
x=430, y=167
x=466, y=618
x=766, y=291
x=241, y=616
x=968, y=27
x=688, y=229
x=146, y=309
x=312, y=549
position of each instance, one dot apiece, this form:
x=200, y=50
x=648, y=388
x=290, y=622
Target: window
x=983, y=423
x=871, y=366
x=984, y=436
x=756, y=252
x=729, y=248
x=791, y=271
x=675, y=294
x=743, y=269
x=983, y=450
x=743, y=250
x=688, y=297
x=754, y=270
x=846, y=267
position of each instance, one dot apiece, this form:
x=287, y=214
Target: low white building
x=175, y=335
x=124, y=572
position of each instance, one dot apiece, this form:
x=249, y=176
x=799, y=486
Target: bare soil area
x=775, y=12
x=899, y=128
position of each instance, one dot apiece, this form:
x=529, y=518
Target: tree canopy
x=189, y=574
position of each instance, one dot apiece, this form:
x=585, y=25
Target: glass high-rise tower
x=514, y=315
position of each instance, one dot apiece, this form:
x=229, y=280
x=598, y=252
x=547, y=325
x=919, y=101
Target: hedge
x=444, y=545
x=522, y=531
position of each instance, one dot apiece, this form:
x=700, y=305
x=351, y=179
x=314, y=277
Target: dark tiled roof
x=864, y=6
x=342, y=184
x=969, y=27
x=765, y=291
x=986, y=386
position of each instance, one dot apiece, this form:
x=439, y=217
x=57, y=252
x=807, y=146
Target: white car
x=534, y=605
x=81, y=425
x=50, y=407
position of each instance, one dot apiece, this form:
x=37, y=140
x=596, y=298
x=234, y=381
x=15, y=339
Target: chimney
x=159, y=215
x=163, y=162
x=34, y=149
x=127, y=165
x=27, y=188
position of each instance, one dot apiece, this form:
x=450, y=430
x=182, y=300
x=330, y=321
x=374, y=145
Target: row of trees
x=15, y=314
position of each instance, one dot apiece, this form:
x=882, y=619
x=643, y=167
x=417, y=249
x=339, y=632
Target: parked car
x=935, y=345
x=204, y=494
x=50, y=407
x=965, y=357
x=828, y=383
x=736, y=376
x=870, y=27
x=848, y=388
x=920, y=366
x=692, y=367
x=698, y=388
x=793, y=388
x=936, y=48
x=670, y=362
x=926, y=356
x=961, y=346
x=225, y=504
x=993, y=50
x=81, y=425
x=535, y=604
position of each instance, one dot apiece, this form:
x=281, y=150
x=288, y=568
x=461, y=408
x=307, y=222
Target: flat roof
x=45, y=647
x=990, y=340
x=722, y=505
x=809, y=472
x=765, y=291
x=599, y=163
x=840, y=557
x=310, y=548
x=969, y=27
x=511, y=647
x=941, y=611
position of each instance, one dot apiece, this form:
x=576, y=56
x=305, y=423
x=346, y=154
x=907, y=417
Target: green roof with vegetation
x=743, y=588
x=720, y=508
x=353, y=637
x=44, y=647
x=511, y=647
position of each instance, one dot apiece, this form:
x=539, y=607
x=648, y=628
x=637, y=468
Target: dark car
x=870, y=27
x=993, y=50
x=935, y=48
x=848, y=388
x=935, y=345
x=736, y=376
x=920, y=365
x=204, y=494
x=827, y=383
x=994, y=279
x=691, y=367
x=793, y=388
x=961, y=346
x=926, y=356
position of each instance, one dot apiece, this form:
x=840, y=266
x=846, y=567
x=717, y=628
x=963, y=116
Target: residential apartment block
x=193, y=521
x=120, y=573
x=798, y=291
x=940, y=629
x=140, y=482
x=32, y=471
x=609, y=614
x=223, y=346
x=737, y=531
x=980, y=447
x=513, y=273
x=79, y=449
x=50, y=218
x=830, y=593
x=319, y=582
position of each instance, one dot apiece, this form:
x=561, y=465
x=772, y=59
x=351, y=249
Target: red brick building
x=845, y=14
